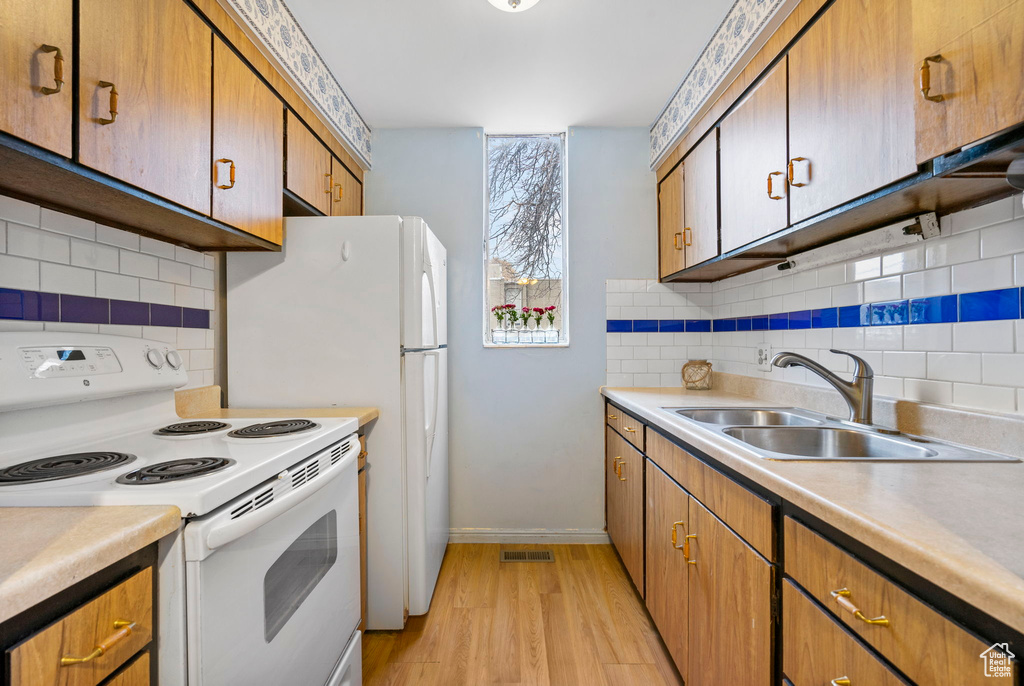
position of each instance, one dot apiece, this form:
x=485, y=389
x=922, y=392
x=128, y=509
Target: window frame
x=564, y=339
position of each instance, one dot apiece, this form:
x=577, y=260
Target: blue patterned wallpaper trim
x=277, y=29
x=737, y=32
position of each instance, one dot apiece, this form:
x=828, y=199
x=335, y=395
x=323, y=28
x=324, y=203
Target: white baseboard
x=588, y=536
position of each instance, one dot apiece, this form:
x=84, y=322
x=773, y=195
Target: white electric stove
x=261, y=583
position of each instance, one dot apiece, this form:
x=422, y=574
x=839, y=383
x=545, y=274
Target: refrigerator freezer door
x=426, y=439
x=424, y=265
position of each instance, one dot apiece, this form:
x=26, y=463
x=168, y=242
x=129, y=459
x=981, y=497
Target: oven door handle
x=233, y=529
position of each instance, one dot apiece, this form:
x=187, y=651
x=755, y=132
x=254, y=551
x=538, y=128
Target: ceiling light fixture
x=513, y=5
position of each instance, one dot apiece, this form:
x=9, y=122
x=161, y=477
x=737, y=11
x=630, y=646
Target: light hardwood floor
x=575, y=621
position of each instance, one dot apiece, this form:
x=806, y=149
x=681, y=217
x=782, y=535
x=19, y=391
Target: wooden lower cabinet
x=730, y=601
x=666, y=596
x=248, y=148
x=625, y=485
x=36, y=63
x=818, y=651
x=136, y=674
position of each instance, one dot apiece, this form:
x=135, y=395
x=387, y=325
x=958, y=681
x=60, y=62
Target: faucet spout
x=857, y=393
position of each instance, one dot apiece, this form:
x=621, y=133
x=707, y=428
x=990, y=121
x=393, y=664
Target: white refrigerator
x=353, y=311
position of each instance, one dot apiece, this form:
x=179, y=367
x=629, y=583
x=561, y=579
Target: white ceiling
x=423, y=63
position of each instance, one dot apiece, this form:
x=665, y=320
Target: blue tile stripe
x=32, y=306
x=983, y=306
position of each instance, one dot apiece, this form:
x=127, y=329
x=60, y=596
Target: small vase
x=498, y=335
x=512, y=336
x=551, y=335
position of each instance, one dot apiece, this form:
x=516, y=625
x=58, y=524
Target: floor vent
x=527, y=556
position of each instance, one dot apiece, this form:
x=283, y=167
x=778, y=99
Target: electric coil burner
x=283, y=427
x=191, y=428
x=175, y=470
x=62, y=467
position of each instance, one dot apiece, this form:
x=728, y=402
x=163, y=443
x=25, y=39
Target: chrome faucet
x=857, y=393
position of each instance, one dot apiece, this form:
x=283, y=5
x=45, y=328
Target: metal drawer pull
x=770, y=193
x=113, y=102
x=630, y=429
x=675, y=240
x=790, y=177
x=123, y=631
x=926, y=79
x=841, y=681
x=231, y=173
x=58, y=70
x=842, y=596
x=675, y=538
x=612, y=416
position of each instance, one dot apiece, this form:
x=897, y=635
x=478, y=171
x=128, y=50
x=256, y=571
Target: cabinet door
x=700, y=201
x=156, y=55
x=625, y=483
x=35, y=72
x=137, y=674
x=753, y=154
x=347, y=198
x=976, y=87
x=851, y=116
x=248, y=148
x=672, y=255
x=666, y=585
x=730, y=588
x=308, y=165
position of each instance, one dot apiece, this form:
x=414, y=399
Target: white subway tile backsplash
x=52, y=220
x=138, y=264
x=868, y=268
x=923, y=391
x=634, y=366
x=888, y=288
x=847, y=294
x=928, y=283
x=965, y=367
x=3, y=237
x=188, y=256
x=121, y=330
x=1003, y=239
x=117, y=237
x=186, y=296
x=37, y=244
x=71, y=327
x=59, y=278
x=1003, y=370
x=620, y=380
x=208, y=262
x=984, y=337
x=19, y=211
x=904, y=364
x=1018, y=270
x=165, y=334
x=117, y=286
x=990, y=398
x=951, y=250
x=156, y=292
x=908, y=260
x=190, y=339
x=983, y=215
x=19, y=272
x=93, y=255
x=832, y=275
x=883, y=337
x=175, y=272
x=929, y=337
x=619, y=300
x=623, y=352
x=155, y=247
x=983, y=275
x=200, y=359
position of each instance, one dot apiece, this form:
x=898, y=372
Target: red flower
x=550, y=308
x=539, y=310
x=526, y=309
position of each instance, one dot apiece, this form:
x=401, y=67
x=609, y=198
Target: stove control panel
x=48, y=362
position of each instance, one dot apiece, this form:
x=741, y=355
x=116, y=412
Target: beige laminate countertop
x=959, y=525
x=365, y=415
x=44, y=550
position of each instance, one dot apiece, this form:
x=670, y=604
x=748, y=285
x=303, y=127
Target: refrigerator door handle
x=431, y=424
x=428, y=270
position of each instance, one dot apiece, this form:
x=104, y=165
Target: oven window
x=295, y=574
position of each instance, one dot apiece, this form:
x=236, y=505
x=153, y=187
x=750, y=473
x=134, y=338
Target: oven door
x=274, y=596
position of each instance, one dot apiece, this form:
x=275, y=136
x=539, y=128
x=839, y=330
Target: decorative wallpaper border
x=743, y=23
x=280, y=33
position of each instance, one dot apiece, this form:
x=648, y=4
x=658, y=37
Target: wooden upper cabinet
x=754, y=154
x=150, y=63
x=969, y=56
x=666, y=594
x=308, y=166
x=347, y=196
x=700, y=201
x=730, y=598
x=851, y=113
x=248, y=148
x=671, y=251
x=36, y=63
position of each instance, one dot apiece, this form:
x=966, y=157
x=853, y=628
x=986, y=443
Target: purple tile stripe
x=53, y=307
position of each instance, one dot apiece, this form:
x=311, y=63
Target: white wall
x=526, y=439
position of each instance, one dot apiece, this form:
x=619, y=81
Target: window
x=524, y=260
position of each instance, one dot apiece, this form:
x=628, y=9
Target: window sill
x=527, y=345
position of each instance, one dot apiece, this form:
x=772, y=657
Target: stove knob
x=173, y=359
x=155, y=358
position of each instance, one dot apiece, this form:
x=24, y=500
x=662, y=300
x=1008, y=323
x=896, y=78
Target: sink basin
x=830, y=443
x=741, y=416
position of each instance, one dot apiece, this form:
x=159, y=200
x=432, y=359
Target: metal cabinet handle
x=840, y=681
x=675, y=540
x=340, y=190
x=687, y=236
x=330, y=183
x=113, y=102
x=842, y=597
x=790, y=177
x=58, y=70
x=770, y=193
x=629, y=429
x=686, y=548
x=612, y=416
x=123, y=629
x=618, y=470
x=231, y=173
x=675, y=240
x=926, y=79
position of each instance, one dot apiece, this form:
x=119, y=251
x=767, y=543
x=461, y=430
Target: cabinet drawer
x=631, y=428
x=745, y=512
x=920, y=642
x=136, y=674
x=816, y=650
x=89, y=630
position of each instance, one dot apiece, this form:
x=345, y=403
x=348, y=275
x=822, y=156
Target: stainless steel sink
x=830, y=443
x=742, y=416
